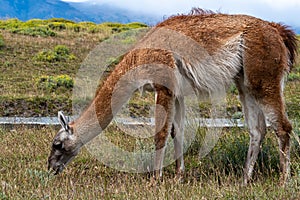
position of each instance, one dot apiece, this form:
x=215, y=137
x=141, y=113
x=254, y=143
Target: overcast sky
x=287, y=11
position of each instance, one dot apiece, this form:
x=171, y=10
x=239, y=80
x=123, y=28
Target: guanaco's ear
x=63, y=121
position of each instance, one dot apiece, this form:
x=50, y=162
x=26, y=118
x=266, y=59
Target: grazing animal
x=208, y=51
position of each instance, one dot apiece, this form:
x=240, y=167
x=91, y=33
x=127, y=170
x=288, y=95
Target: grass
x=24, y=172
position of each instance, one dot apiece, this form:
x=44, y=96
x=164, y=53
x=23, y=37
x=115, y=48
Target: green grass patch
x=53, y=83
x=295, y=74
x=59, y=53
x=35, y=31
x=51, y=27
x=34, y=106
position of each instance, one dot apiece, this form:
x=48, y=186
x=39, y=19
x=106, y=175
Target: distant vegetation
x=44, y=28
x=39, y=60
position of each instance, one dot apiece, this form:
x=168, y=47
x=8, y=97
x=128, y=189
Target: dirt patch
x=34, y=106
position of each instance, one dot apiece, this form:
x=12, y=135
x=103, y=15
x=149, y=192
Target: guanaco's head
x=64, y=147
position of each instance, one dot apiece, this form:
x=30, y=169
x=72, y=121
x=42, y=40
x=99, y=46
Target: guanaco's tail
x=290, y=40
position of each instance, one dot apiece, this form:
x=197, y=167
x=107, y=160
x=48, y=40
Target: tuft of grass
x=295, y=74
x=1, y=41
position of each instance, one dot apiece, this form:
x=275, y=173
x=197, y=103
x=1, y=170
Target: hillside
x=45, y=9
x=41, y=9
x=39, y=60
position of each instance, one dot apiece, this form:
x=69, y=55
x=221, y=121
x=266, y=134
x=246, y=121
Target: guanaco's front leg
x=164, y=115
x=177, y=134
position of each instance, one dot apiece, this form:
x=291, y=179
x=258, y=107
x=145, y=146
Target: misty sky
x=286, y=11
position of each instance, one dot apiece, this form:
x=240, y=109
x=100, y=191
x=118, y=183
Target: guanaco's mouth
x=58, y=163
x=55, y=167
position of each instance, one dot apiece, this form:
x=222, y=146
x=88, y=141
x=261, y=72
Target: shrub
x=62, y=50
x=62, y=20
x=10, y=24
x=33, y=23
x=52, y=83
x=34, y=31
x=57, y=26
x=60, y=53
x=136, y=25
x=45, y=55
x=113, y=25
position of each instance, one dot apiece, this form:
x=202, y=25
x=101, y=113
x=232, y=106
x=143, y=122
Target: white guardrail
x=203, y=122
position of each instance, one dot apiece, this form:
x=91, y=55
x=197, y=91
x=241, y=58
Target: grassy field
x=38, y=52
x=24, y=175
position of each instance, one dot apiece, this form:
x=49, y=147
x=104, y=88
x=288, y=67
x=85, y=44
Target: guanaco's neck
x=114, y=93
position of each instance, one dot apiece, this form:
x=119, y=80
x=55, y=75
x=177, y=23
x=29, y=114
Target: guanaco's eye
x=57, y=145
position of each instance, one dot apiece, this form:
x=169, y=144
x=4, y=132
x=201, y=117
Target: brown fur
x=290, y=40
x=133, y=59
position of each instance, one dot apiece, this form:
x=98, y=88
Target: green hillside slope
x=30, y=58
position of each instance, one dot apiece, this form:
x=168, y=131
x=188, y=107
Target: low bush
x=52, y=83
x=61, y=20
x=57, y=26
x=136, y=25
x=62, y=51
x=59, y=53
x=113, y=25
x=10, y=24
x=34, y=31
x=118, y=27
x=33, y=23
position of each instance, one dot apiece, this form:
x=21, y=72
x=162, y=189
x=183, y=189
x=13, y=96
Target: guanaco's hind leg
x=258, y=105
x=177, y=134
x=265, y=62
x=164, y=116
x=255, y=121
x=274, y=110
